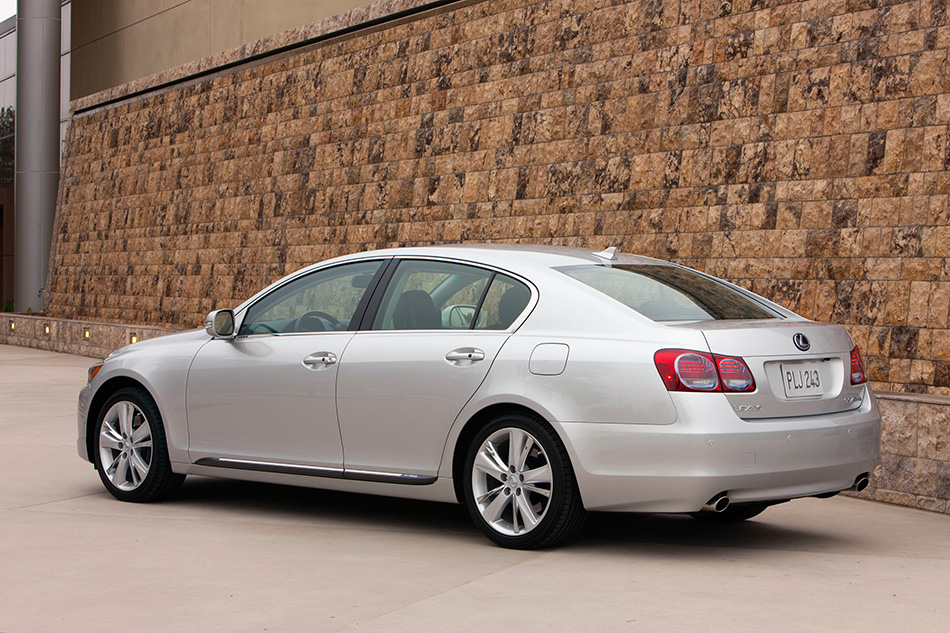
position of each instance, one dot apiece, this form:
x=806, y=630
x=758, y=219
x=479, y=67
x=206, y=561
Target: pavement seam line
x=46, y=503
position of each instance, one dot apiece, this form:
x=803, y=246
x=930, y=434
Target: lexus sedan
x=530, y=383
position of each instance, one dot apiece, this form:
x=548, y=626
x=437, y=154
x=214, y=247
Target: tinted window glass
x=506, y=300
x=669, y=293
x=431, y=295
x=324, y=300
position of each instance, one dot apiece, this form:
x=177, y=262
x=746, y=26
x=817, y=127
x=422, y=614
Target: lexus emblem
x=801, y=342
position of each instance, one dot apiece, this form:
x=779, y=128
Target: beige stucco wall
x=118, y=41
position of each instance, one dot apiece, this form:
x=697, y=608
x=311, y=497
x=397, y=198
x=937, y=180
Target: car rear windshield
x=669, y=293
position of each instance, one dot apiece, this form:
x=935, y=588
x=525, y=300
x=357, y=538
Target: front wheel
x=519, y=485
x=131, y=453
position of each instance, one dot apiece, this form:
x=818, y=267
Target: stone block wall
x=798, y=148
x=915, y=462
x=71, y=336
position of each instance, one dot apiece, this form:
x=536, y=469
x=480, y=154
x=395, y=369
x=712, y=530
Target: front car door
x=419, y=357
x=266, y=398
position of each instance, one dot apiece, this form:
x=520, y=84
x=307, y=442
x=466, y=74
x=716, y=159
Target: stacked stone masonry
x=798, y=148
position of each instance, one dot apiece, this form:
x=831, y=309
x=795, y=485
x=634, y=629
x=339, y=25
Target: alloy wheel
x=512, y=481
x=125, y=445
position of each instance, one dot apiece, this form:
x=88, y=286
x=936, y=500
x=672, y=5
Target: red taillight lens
x=857, y=367
x=735, y=374
x=696, y=371
x=688, y=370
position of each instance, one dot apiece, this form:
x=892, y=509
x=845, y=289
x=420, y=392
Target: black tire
x=732, y=514
x=558, y=516
x=120, y=465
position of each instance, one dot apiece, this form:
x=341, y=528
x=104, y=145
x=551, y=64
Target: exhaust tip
x=861, y=482
x=718, y=503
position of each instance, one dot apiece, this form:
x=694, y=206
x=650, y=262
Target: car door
x=407, y=374
x=266, y=398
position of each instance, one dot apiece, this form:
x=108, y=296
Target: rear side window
x=438, y=295
x=669, y=293
x=432, y=295
x=505, y=301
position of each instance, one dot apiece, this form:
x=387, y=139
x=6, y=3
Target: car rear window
x=669, y=293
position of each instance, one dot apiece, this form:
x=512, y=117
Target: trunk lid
x=790, y=381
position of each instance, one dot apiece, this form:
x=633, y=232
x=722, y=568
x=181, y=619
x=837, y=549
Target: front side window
x=433, y=295
x=669, y=293
x=324, y=300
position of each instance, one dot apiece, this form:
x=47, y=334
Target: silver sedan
x=531, y=384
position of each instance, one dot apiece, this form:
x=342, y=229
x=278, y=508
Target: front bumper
x=708, y=450
x=83, y=409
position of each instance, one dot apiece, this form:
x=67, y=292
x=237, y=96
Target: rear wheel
x=131, y=453
x=733, y=514
x=519, y=485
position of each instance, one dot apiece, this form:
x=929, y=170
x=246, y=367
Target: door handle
x=470, y=354
x=319, y=360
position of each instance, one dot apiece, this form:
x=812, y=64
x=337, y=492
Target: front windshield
x=669, y=293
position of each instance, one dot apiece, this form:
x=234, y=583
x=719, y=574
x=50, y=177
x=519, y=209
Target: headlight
x=93, y=371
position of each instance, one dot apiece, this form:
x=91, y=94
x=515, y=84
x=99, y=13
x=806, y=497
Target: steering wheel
x=312, y=321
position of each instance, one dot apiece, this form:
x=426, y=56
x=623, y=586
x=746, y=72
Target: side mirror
x=220, y=323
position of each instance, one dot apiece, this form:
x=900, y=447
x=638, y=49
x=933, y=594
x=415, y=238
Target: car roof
x=503, y=255
x=516, y=258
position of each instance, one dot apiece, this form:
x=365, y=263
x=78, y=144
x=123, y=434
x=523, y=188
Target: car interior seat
x=415, y=311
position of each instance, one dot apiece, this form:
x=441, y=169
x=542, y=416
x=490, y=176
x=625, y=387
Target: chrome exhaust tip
x=718, y=503
x=861, y=482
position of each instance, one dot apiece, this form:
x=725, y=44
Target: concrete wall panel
x=117, y=41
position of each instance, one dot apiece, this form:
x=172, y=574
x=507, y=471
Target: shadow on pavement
x=635, y=533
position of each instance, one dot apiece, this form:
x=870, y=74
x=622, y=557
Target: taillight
x=857, y=367
x=687, y=370
x=696, y=371
x=735, y=374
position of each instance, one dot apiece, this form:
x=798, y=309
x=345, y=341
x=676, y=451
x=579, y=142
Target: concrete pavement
x=232, y=556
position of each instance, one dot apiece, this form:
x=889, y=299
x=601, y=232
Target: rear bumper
x=708, y=450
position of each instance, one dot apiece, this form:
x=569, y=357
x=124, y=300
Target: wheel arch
x=478, y=421
x=108, y=388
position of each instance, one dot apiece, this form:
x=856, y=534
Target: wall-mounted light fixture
x=46, y=328
x=85, y=333
x=133, y=338
x=12, y=324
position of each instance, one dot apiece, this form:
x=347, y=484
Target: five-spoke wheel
x=519, y=486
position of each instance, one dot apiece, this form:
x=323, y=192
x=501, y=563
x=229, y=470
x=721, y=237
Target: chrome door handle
x=465, y=354
x=320, y=358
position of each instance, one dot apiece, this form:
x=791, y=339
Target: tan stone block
x=895, y=497
x=943, y=109
x=934, y=432
x=933, y=504
x=919, y=303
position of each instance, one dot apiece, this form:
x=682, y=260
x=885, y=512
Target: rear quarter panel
x=609, y=376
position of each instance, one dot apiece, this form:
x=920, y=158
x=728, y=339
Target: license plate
x=802, y=380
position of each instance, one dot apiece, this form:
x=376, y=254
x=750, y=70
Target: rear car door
x=424, y=351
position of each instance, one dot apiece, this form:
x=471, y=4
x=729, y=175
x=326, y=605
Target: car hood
x=196, y=335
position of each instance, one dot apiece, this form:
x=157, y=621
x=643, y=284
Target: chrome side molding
x=317, y=471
